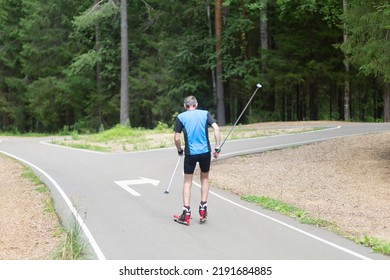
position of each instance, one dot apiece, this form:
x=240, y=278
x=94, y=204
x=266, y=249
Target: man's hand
x=180, y=152
x=216, y=153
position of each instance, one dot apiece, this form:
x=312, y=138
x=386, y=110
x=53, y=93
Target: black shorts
x=191, y=160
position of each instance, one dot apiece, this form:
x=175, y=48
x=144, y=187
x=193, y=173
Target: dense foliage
x=60, y=61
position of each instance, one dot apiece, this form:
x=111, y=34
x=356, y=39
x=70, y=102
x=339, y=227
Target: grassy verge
x=289, y=210
x=124, y=138
x=121, y=138
x=377, y=245
x=85, y=146
x=41, y=188
x=71, y=247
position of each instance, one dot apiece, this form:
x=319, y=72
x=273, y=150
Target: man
x=194, y=123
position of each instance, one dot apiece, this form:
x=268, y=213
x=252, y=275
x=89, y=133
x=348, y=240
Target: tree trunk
x=263, y=36
x=313, y=89
x=211, y=36
x=386, y=102
x=289, y=106
x=347, y=92
x=124, y=112
x=219, y=70
x=98, y=70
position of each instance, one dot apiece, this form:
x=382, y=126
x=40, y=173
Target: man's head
x=190, y=102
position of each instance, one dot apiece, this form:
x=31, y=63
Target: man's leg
x=204, y=192
x=187, y=189
x=204, y=179
x=189, y=167
x=185, y=217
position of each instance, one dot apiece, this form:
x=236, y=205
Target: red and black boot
x=203, y=212
x=184, y=218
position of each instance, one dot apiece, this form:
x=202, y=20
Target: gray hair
x=190, y=101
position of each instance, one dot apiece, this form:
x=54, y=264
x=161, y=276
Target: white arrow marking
x=125, y=184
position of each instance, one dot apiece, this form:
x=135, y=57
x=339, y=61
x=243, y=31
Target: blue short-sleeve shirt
x=194, y=124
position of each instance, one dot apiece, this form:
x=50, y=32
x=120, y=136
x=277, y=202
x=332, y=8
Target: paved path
x=118, y=200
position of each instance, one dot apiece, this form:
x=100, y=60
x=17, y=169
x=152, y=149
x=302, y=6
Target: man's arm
x=177, y=140
x=217, y=137
x=177, y=128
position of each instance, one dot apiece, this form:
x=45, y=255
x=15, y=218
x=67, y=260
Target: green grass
x=119, y=132
x=123, y=137
x=72, y=248
x=84, y=146
x=137, y=138
x=377, y=245
x=29, y=174
x=286, y=209
x=41, y=188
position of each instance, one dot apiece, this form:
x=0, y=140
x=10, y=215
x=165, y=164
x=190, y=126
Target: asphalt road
x=118, y=201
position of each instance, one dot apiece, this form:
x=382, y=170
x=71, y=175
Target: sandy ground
x=28, y=231
x=345, y=181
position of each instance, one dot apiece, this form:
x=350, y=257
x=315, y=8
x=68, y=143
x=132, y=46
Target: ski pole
x=173, y=175
x=239, y=117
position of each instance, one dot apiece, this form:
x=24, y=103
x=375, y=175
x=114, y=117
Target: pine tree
x=368, y=44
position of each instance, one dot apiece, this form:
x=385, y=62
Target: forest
x=86, y=66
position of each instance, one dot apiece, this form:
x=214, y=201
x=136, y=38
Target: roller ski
x=184, y=218
x=202, y=213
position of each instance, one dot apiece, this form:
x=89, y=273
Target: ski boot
x=184, y=218
x=203, y=212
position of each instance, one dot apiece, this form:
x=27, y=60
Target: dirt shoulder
x=345, y=181
x=29, y=230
